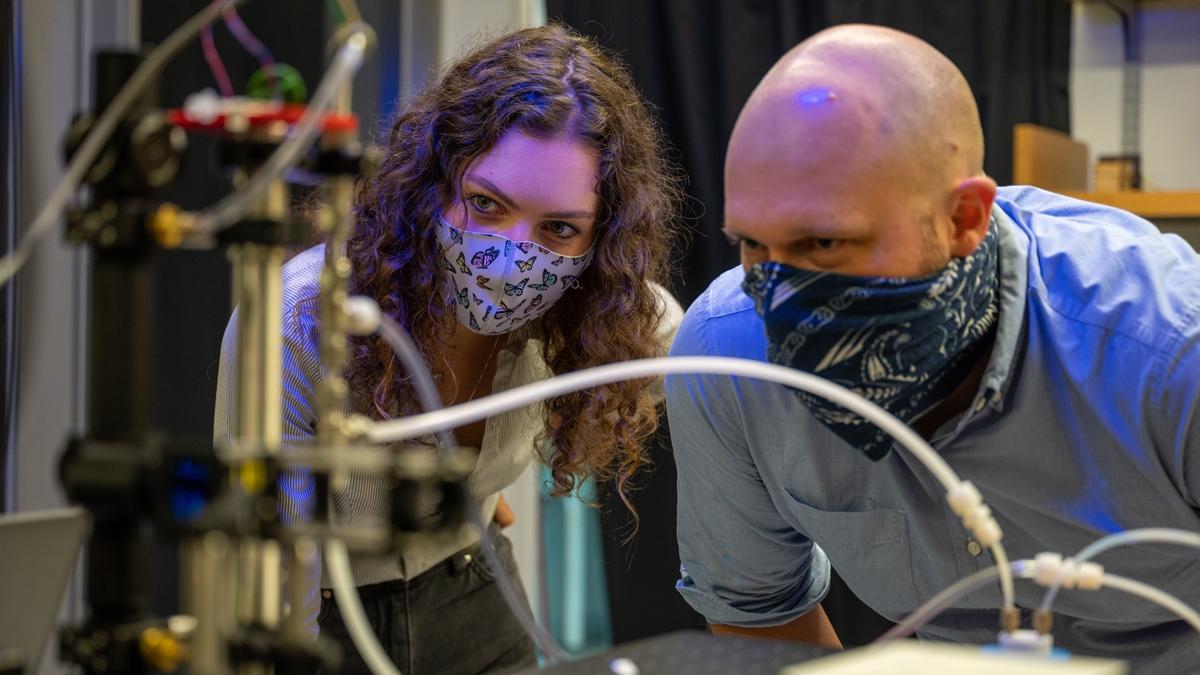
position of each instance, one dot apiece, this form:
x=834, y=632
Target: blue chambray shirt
x=1087, y=422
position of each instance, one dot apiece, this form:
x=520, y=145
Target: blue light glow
x=815, y=96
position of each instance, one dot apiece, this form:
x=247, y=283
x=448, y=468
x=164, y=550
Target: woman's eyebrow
x=569, y=214
x=492, y=187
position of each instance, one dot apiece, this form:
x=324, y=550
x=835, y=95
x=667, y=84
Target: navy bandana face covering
x=905, y=344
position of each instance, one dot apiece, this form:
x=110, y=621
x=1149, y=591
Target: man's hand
x=813, y=628
x=504, y=515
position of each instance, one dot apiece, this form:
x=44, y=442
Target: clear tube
x=1160, y=535
x=410, y=357
x=473, y=411
x=938, y=603
x=550, y=648
x=44, y=223
x=345, y=63
x=1157, y=596
x=426, y=389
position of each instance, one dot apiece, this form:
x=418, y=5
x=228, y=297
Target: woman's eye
x=482, y=203
x=560, y=229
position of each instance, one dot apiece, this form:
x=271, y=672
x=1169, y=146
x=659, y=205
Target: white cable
x=1007, y=594
x=81, y=162
x=976, y=517
x=337, y=559
x=1155, y=595
x=1162, y=535
x=345, y=63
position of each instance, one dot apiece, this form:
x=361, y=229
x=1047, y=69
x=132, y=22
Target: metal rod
x=258, y=283
x=210, y=589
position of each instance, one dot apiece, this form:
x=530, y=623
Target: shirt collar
x=1014, y=276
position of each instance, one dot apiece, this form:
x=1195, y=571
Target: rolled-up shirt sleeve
x=741, y=562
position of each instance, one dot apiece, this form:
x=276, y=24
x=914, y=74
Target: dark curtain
x=697, y=62
x=193, y=302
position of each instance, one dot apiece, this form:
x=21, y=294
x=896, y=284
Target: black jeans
x=448, y=620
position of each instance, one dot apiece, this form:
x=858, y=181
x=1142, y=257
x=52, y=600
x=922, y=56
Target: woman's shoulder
x=301, y=289
x=670, y=315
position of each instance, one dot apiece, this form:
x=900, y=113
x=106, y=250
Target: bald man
x=1048, y=348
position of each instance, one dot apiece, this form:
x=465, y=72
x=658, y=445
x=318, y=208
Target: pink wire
x=253, y=45
x=214, y=61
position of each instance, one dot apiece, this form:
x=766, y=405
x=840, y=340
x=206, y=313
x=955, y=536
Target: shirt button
x=974, y=548
x=328, y=595
x=980, y=405
x=467, y=558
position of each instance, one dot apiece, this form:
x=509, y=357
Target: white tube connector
x=1051, y=569
x=363, y=315
x=967, y=503
x=1025, y=641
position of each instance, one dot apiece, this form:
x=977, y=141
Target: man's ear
x=970, y=212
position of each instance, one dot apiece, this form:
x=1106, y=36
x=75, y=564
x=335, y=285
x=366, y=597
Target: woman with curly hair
x=518, y=228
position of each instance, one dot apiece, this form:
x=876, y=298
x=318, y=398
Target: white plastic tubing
x=1147, y=535
x=345, y=64
x=43, y=224
x=977, y=519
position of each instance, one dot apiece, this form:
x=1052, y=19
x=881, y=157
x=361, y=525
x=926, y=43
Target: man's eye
x=742, y=242
x=825, y=244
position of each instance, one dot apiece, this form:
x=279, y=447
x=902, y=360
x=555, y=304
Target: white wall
x=1171, y=95
x=467, y=22
x=1170, y=100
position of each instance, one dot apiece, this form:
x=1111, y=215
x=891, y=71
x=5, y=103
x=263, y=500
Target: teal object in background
x=576, y=594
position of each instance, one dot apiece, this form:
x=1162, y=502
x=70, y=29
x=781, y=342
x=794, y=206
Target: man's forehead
x=788, y=219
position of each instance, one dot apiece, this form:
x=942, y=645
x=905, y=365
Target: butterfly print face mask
x=500, y=284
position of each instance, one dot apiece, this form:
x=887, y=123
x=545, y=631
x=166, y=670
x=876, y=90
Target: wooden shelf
x=1160, y=204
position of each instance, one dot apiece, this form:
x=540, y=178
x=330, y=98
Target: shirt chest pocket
x=869, y=550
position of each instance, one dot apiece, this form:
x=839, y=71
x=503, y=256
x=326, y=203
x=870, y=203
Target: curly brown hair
x=542, y=82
